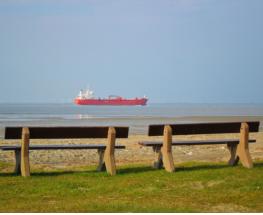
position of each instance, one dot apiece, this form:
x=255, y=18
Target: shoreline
x=138, y=125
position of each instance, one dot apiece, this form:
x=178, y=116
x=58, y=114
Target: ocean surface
x=136, y=117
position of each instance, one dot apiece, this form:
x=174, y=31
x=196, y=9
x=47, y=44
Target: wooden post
x=167, y=149
x=233, y=154
x=242, y=148
x=158, y=162
x=25, y=168
x=18, y=162
x=109, y=152
x=101, y=166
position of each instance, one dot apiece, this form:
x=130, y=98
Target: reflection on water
x=137, y=117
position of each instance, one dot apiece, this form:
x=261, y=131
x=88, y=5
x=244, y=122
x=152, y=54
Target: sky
x=172, y=51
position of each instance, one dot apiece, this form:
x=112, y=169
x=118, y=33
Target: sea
x=136, y=117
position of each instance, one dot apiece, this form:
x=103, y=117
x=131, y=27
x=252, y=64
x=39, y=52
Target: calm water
x=137, y=117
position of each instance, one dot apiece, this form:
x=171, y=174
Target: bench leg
x=158, y=162
x=242, y=148
x=25, y=168
x=109, y=152
x=17, y=169
x=233, y=154
x=101, y=167
x=166, y=149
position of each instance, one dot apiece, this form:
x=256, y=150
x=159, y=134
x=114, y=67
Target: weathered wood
x=60, y=147
x=194, y=142
x=202, y=128
x=17, y=149
x=17, y=169
x=65, y=132
x=167, y=149
x=233, y=154
x=101, y=167
x=158, y=162
x=109, y=158
x=243, y=149
x=25, y=168
x=238, y=148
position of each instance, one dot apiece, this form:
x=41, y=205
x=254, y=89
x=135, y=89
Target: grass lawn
x=194, y=187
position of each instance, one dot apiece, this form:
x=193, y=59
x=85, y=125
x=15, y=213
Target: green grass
x=194, y=187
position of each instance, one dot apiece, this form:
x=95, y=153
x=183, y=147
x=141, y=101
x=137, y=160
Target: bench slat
x=65, y=132
x=58, y=147
x=202, y=128
x=194, y=142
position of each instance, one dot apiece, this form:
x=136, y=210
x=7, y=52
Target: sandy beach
x=133, y=154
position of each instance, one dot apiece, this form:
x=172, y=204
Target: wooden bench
x=106, y=152
x=238, y=148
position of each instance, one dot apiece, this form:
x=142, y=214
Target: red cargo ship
x=86, y=98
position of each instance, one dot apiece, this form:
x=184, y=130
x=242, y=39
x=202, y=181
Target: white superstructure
x=86, y=94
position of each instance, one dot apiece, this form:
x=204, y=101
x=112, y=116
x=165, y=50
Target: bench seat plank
x=58, y=147
x=194, y=142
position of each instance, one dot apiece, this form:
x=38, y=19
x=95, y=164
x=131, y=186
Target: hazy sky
x=170, y=50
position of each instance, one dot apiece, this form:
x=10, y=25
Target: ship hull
x=128, y=102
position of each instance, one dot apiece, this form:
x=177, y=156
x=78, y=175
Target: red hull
x=117, y=101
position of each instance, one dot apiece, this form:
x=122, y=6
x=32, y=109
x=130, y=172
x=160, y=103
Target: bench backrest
x=65, y=132
x=203, y=128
